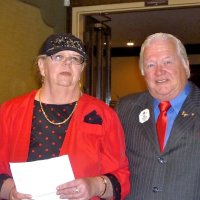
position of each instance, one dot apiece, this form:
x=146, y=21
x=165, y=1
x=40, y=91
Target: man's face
x=164, y=72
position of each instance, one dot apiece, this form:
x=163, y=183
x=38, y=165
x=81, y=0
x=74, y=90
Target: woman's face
x=163, y=70
x=62, y=69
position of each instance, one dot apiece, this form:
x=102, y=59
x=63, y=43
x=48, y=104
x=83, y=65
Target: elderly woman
x=59, y=119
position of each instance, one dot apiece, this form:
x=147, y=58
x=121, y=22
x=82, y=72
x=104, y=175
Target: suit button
x=161, y=160
x=155, y=189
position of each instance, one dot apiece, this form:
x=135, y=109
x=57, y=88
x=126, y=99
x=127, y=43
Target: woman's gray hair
x=181, y=51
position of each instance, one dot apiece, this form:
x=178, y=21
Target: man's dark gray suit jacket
x=173, y=174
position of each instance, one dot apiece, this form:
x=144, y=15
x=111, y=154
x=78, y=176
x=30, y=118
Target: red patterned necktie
x=162, y=123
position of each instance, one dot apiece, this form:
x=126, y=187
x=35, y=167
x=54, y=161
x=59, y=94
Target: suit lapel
x=149, y=128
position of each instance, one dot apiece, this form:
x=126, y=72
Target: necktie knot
x=164, y=106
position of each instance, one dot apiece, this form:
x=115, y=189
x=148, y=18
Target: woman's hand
x=82, y=189
x=14, y=195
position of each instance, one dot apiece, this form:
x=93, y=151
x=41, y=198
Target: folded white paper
x=40, y=178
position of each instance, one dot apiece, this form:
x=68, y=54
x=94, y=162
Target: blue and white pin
x=144, y=115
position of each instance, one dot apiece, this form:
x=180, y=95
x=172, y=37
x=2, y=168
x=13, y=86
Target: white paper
x=40, y=178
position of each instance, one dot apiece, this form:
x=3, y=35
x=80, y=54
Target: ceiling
x=137, y=25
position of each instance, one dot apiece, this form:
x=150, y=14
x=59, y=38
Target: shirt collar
x=177, y=102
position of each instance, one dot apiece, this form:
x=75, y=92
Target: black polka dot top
x=46, y=138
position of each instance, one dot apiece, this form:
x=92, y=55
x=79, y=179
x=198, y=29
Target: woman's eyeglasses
x=75, y=59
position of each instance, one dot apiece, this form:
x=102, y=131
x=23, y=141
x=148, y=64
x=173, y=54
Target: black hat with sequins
x=60, y=42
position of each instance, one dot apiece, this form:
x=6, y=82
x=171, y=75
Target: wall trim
x=78, y=13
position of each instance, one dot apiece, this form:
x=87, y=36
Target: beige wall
x=126, y=77
x=21, y=33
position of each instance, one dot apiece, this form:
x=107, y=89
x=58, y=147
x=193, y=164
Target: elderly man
x=162, y=125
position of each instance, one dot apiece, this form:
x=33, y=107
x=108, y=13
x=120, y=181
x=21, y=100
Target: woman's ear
x=83, y=66
x=41, y=65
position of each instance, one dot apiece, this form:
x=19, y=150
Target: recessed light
x=130, y=43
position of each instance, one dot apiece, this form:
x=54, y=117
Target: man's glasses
x=75, y=59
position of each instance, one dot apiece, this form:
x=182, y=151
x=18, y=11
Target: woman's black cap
x=60, y=42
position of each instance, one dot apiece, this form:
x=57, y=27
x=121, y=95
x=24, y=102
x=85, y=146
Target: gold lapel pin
x=184, y=114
